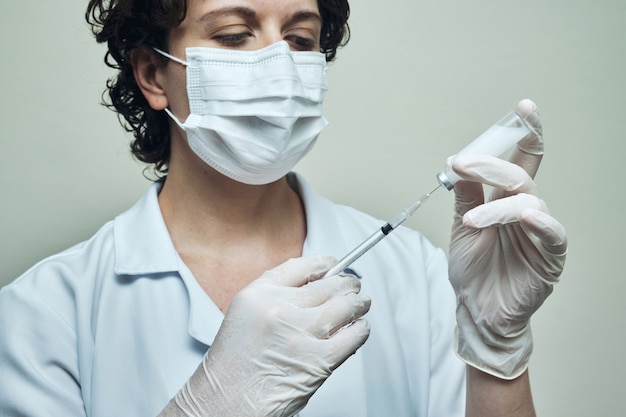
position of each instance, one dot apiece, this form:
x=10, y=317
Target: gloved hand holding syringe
x=494, y=141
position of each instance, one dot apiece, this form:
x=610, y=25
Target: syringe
x=494, y=141
x=378, y=235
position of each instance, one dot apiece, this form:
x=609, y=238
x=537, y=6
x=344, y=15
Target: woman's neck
x=203, y=208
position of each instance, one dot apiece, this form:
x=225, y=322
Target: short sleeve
x=38, y=363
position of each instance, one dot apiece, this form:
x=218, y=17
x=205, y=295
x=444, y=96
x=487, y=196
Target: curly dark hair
x=128, y=24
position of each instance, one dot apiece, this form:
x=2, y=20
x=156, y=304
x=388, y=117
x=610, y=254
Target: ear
x=148, y=70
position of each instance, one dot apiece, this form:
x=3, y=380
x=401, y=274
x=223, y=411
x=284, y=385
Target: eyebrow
x=226, y=11
x=300, y=16
x=249, y=13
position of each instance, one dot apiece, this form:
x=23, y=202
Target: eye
x=232, y=39
x=301, y=43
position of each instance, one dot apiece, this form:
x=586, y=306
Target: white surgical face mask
x=253, y=114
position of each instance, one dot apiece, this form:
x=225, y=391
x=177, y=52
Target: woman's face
x=241, y=25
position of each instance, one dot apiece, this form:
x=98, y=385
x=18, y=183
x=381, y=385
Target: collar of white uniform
x=142, y=242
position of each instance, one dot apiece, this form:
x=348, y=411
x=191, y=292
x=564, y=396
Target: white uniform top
x=115, y=325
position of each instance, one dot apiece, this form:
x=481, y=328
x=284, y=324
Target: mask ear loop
x=172, y=57
x=180, y=61
x=174, y=118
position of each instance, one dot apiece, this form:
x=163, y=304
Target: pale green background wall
x=418, y=80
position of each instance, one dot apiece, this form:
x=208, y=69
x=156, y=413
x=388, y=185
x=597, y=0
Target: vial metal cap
x=445, y=181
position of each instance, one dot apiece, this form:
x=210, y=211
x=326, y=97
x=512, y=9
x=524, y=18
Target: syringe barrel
x=357, y=252
x=494, y=141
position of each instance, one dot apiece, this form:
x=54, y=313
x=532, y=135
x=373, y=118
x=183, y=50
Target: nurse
x=205, y=298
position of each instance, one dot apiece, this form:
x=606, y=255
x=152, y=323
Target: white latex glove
x=505, y=255
x=282, y=336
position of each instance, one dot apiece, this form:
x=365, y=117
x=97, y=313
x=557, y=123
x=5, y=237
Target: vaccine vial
x=495, y=141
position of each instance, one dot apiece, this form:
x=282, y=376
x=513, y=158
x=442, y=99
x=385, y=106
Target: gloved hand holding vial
x=495, y=296
x=506, y=253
